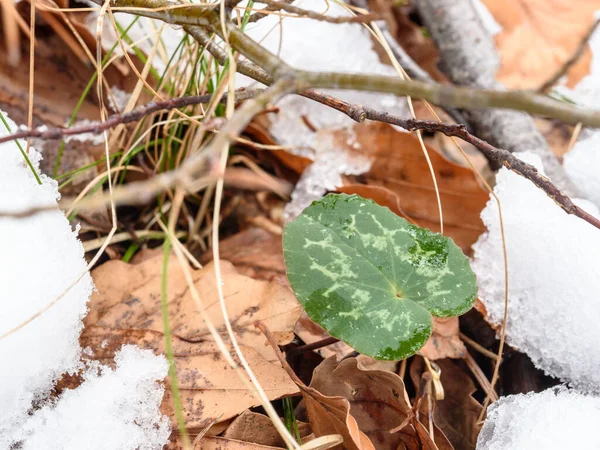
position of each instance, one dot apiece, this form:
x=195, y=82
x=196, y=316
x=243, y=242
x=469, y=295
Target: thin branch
x=305, y=13
x=143, y=191
x=562, y=70
x=119, y=119
x=444, y=95
x=202, y=164
x=255, y=17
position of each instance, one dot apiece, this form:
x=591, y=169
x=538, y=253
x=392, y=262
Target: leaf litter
x=126, y=309
x=347, y=395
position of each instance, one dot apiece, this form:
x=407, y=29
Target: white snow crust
x=554, y=301
x=555, y=419
x=118, y=409
x=40, y=258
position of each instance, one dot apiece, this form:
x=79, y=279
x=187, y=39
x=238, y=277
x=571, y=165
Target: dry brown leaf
x=400, y=166
x=538, y=36
x=221, y=443
x=258, y=429
x=217, y=443
x=457, y=414
x=444, y=341
x=255, y=253
x=210, y=389
x=378, y=401
x=127, y=309
x=129, y=298
x=327, y=415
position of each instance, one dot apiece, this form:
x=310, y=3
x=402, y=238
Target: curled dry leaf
x=552, y=29
x=328, y=415
x=258, y=429
x=127, y=309
x=457, y=414
x=378, y=401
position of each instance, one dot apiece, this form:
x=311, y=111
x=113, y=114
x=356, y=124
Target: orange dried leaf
x=127, y=309
x=552, y=31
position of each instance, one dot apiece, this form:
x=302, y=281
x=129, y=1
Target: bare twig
x=301, y=12
x=358, y=113
x=119, y=119
x=445, y=95
x=562, y=70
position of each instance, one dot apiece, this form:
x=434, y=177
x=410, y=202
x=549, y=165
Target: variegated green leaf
x=371, y=278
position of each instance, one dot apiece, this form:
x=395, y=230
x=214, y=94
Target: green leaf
x=371, y=278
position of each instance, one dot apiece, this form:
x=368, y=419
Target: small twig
x=314, y=346
x=480, y=377
x=358, y=113
x=266, y=11
x=562, y=70
x=444, y=95
x=114, y=120
x=301, y=12
x=478, y=347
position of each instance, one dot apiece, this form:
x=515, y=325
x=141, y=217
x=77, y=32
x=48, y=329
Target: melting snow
x=555, y=419
x=40, y=259
x=554, y=307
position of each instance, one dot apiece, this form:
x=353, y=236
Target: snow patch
x=555, y=419
x=41, y=260
x=554, y=307
x=118, y=409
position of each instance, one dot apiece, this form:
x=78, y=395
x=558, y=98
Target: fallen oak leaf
x=127, y=309
x=328, y=415
x=129, y=298
x=206, y=381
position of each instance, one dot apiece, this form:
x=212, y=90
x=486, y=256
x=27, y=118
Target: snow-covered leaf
x=373, y=279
